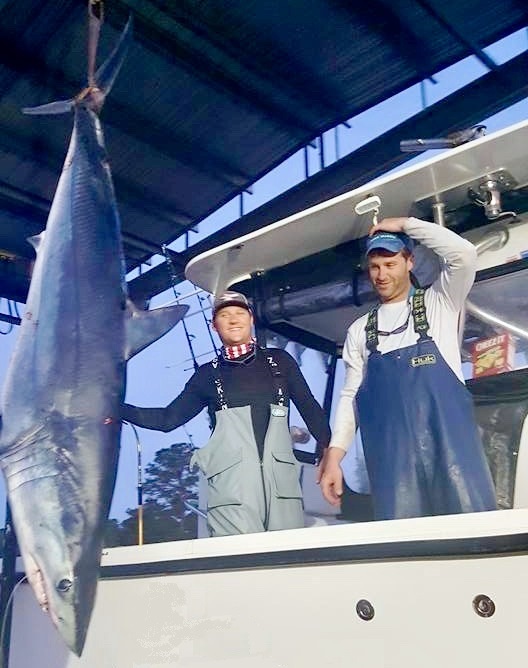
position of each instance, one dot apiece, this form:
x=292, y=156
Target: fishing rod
x=174, y=281
x=201, y=300
x=207, y=322
x=8, y=586
x=139, y=484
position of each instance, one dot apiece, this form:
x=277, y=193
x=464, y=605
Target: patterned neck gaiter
x=233, y=352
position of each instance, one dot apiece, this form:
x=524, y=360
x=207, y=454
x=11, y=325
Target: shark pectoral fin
x=145, y=327
x=50, y=109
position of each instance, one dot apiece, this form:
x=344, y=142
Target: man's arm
x=310, y=411
x=186, y=406
x=344, y=427
x=458, y=255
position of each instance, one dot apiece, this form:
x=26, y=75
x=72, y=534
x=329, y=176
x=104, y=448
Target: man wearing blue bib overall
x=403, y=372
x=252, y=477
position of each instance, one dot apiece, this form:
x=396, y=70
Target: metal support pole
x=258, y=298
x=439, y=213
x=306, y=164
x=321, y=152
x=336, y=142
x=330, y=381
x=423, y=94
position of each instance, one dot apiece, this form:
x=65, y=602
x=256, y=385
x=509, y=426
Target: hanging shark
x=60, y=428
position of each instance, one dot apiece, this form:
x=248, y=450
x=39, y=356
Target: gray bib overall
x=245, y=494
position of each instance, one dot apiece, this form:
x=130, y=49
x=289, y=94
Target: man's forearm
x=148, y=418
x=458, y=255
x=454, y=249
x=344, y=427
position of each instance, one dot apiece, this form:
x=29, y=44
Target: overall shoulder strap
x=215, y=364
x=371, y=329
x=276, y=376
x=421, y=325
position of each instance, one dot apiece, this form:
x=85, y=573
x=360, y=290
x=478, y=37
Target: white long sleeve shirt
x=443, y=302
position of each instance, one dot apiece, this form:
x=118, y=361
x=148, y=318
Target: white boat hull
x=288, y=600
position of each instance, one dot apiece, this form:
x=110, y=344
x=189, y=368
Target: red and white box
x=493, y=355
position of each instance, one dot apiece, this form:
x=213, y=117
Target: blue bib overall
x=422, y=448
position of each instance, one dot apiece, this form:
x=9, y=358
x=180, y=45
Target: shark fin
x=59, y=107
x=104, y=77
x=36, y=240
x=145, y=327
x=107, y=73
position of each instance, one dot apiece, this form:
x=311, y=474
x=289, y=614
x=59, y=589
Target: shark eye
x=64, y=585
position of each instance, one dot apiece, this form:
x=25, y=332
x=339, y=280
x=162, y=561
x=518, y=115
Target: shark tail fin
x=102, y=80
x=60, y=107
x=107, y=73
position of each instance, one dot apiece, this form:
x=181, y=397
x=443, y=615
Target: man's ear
x=213, y=326
x=410, y=262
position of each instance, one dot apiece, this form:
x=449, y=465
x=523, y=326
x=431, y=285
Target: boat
x=432, y=591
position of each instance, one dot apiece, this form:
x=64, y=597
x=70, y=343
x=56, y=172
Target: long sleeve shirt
x=250, y=384
x=444, y=300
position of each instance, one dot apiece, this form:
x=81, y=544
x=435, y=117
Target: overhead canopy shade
x=212, y=95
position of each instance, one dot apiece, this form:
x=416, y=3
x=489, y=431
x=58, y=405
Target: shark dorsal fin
x=36, y=240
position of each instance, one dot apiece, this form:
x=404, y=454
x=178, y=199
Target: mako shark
x=60, y=429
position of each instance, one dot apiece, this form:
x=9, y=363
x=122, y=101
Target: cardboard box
x=493, y=355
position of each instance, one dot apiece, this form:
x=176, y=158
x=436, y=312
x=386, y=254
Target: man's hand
x=389, y=225
x=330, y=476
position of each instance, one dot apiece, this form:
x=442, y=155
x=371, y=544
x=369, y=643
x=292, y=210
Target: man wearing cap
x=404, y=378
x=253, y=484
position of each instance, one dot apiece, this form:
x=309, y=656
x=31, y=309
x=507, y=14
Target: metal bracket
x=470, y=191
x=488, y=194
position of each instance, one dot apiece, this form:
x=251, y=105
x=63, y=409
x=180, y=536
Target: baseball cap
x=394, y=242
x=230, y=298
